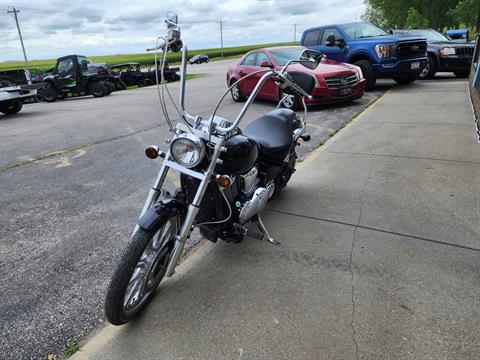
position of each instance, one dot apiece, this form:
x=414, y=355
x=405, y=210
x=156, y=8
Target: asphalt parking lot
x=74, y=177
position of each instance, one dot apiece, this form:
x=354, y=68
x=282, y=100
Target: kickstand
x=258, y=220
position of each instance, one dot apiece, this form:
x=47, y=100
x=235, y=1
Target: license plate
x=345, y=91
x=415, y=65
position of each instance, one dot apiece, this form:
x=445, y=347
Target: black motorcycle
x=227, y=176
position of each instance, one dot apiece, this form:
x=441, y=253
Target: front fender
x=159, y=213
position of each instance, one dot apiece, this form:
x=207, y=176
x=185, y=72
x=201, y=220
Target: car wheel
x=291, y=102
x=236, y=93
x=62, y=95
x=462, y=74
x=406, y=79
x=368, y=73
x=428, y=71
x=11, y=108
x=97, y=89
x=49, y=94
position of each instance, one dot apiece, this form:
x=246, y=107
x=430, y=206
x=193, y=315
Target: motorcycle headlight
x=385, y=50
x=447, y=51
x=359, y=72
x=187, y=150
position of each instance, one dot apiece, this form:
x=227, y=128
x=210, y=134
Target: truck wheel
x=12, y=107
x=49, y=95
x=368, y=73
x=428, y=71
x=97, y=89
x=406, y=79
x=462, y=74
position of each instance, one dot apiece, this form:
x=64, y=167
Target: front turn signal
x=152, y=152
x=224, y=181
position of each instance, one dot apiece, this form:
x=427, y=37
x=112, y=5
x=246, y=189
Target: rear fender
x=161, y=212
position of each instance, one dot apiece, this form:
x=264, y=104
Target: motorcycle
x=227, y=176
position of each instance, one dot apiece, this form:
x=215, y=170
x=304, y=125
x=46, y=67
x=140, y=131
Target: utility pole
x=295, y=33
x=221, y=22
x=15, y=11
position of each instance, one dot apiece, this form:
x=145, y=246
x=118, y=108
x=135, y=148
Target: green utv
x=73, y=74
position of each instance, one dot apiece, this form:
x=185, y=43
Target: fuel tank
x=241, y=155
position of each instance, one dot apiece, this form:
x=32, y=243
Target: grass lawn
x=39, y=66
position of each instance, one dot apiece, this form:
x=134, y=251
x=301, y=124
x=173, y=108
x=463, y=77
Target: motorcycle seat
x=273, y=134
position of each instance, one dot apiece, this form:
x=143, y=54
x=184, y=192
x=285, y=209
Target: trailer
x=12, y=97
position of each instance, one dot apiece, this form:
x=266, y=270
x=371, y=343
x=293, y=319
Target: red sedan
x=336, y=81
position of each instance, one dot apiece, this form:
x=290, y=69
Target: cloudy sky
x=55, y=28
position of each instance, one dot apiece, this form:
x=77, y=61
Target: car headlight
x=447, y=51
x=187, y=150
x=359, y=72
x=385, y=50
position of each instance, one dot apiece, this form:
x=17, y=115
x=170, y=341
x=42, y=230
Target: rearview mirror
x=172, y=20
x=311, y=58
x=330, y=40
x=266, y=64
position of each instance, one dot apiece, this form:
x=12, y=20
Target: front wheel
x=406, y=79
x=97, y=89
x=368, y=73
x=141, y=268
x=462, y=74
x=235, y=92
x=11, y=108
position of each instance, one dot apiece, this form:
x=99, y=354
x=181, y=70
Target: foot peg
x=306, y=137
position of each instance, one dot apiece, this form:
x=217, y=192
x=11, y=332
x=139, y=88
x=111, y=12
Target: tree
x=415, y=20
x=376, y=17
x=467, y=12
x=435, y=12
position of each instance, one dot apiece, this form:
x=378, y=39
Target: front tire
x=97, y=89
x=428, y=71
x=406, y=79
x=368, y=73
x=139, y=272
x=462, y=74
x=236, y=92
x=11, y=108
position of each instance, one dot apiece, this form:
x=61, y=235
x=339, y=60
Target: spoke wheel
x=149, y=270
x=139, y=272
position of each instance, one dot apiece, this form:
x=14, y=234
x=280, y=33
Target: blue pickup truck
x=377, y=53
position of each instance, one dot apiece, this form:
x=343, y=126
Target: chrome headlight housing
x=187, y=150
x=385, y=50
x=446, y=51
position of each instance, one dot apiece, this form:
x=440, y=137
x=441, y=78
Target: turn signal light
x=224, y=181
x=152, y=152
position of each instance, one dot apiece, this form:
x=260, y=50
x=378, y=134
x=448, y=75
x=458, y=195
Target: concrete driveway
x=380, y=256
x=73, y=178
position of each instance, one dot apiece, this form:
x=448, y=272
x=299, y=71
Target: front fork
x=193, y=207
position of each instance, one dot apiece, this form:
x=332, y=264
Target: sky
x=55, y=28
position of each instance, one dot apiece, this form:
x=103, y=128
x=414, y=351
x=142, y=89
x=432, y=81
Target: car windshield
x=282, y=56
x=362, y=30
x=430, y=35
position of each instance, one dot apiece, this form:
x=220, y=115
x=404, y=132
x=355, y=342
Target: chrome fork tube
x=154, y=191
x=192, y=211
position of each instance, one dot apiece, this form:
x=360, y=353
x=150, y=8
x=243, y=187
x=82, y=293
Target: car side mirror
x=266, y=64
x=390, y=31
x=340, y=43
x=330, y=40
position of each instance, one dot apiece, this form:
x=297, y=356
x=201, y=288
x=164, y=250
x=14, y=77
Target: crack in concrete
x=352, y=247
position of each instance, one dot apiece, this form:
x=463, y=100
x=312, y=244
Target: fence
x=474, y=81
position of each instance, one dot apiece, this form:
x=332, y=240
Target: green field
x=39, y=66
